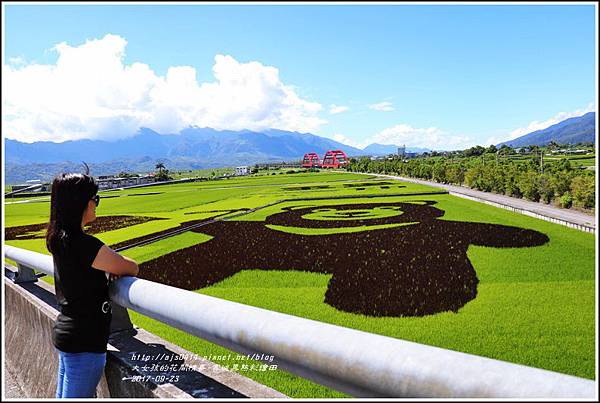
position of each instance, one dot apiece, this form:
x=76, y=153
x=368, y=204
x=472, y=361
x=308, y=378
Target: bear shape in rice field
x=417, y=265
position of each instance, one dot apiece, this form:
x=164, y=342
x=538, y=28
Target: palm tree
x=160, y=166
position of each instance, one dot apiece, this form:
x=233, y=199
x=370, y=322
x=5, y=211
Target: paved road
x=572, y=216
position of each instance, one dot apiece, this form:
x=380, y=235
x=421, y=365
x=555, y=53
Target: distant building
x=114, y=182
x=402, y=151
x=33, y=185
x=243, y=170
x=570, y=151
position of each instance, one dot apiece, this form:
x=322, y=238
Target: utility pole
x=542, y=160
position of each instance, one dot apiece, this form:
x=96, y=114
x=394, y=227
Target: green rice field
x=534, y=305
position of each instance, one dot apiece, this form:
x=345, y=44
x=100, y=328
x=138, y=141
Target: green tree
x=491, y=149
x=474, y=151
x=561, y=183
x=455, y=174
x=583, y=191
x=474, y=177
x=494, y=178
x=439, y=172
x=511, y=184
x=546, y=189
x=529, y=185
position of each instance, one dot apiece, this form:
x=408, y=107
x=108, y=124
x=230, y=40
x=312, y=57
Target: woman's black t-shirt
x=81, y=292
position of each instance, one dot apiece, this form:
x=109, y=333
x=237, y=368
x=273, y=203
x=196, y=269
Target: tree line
x=557, y=181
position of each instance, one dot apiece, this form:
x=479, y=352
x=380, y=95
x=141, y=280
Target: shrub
x=566, y=200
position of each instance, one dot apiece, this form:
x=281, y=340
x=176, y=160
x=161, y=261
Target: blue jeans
x=79, y=373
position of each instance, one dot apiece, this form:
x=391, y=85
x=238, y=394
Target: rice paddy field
x=343, y=248
x=582, y=161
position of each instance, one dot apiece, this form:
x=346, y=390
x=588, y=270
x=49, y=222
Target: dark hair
x=71, y=193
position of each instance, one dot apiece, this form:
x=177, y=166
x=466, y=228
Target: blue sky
x=444, y=76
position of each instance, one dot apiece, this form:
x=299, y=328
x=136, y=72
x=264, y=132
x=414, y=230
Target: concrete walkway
x=554, y=213
x=11, y=388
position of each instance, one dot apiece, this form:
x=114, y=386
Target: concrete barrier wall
x=569, y=224
x=28, y=345
x=30, y=312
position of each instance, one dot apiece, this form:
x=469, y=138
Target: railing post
x=25, y=274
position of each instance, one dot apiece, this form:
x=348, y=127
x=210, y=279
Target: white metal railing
x=352, y=361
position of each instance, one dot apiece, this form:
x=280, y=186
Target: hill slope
x=197, y=144
x=570, y=131
x=192, y=148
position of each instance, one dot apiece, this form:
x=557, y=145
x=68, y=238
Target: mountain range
x=192, y=148
x=580, y=129
x=197, y=148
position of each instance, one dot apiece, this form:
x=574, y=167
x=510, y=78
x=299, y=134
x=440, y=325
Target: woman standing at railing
x=83, y=267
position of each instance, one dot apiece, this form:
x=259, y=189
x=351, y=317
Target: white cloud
x=335, y=109
x=18, y=60
x=382, y=106
x=91, y=93
x=559, y=117
x=431, y=137
x=492, y=140
x=345, y=140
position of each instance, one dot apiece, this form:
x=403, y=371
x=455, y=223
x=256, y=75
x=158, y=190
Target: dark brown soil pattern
x=124, y=244
x=413, y=270
x=314, y=187
x=131, y=242
x=101, y=224
x=367, y=184
x=216, y=211
x=144, y=194
x=357, y=186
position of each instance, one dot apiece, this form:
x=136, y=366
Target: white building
x=33, y=185
x=242, y=170
x=112, y=182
